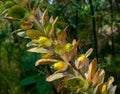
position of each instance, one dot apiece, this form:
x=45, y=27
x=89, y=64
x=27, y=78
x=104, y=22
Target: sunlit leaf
x=54, y=22
x=62, y=38
x=112, y=90
x=21, y=34
x=45, y=61
x=92, y=69
x=101, y=76
x=54, y=77
x=89, y=52
x=34, y=34
x=11, y=18
x=109, y=82
x=29, y=44
x=48, y=28
x=44, y=41
x=52, y=29
x=98, y=77
x=45, y=17
x=59, y=49
x=39, y=50
x=51, y=19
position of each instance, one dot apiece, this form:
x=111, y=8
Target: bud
x=82, y=58
x=104, y=89
x=68, y=46
x=59, y=66
x=57, y=31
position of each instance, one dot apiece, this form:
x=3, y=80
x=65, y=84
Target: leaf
x=11, y=18
x=74, y=50
x=54, y=22
x=76, y=83
x=27, y=60
x=62, y=38
x=59, y=49
x=113, y=89
x=92, y=69
x=39, y=50
x=109, y=82
x=34, y=34
x=98, y=77
x=54, y=77
x=45, y=61
x=101, y=76
x=48, y=28
x=26, y=25
x=89, y=52
x=39, y=83
x=51, y=19
x=29, y=44
x=45, y=17
x=29, y=80
x=43, y=86
x=21, y=34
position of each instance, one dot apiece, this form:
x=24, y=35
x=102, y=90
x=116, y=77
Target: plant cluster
x=74, y=72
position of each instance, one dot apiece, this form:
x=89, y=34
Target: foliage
x=78, y=76
x=60, y=57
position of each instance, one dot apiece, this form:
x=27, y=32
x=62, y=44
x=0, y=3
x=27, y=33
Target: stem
x=112, y=39
x=94, y=29
x=82, y=75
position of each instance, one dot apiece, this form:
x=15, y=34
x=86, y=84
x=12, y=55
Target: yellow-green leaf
x=34, y=34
